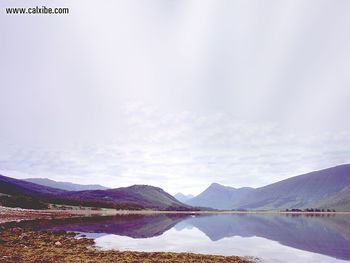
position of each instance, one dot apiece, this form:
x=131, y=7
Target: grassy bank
x=18, y=244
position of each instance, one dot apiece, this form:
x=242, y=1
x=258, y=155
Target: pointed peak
x=216, y=185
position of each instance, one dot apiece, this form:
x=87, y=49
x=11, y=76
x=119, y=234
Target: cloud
x=186, y=151
x=175, y=94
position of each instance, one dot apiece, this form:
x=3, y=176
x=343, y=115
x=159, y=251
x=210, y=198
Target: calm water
x=271, y=238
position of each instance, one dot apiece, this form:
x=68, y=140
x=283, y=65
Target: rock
x=16, y=230
x=58, y=243
x=60, y=232
x=71, y=234
x=24, y=236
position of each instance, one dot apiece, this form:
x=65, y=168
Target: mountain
x=219, y=197
x=133, y=197
x=328, y=188
x=141, y=195
x=65, y=185
x=303, y=191
x=340, y=201
x=182, y=197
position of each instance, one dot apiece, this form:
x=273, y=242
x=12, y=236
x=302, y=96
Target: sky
x=175, y=93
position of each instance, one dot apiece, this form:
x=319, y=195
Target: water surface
x=269, y=237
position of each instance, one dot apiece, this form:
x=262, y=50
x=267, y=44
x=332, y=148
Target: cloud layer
x=176, y=94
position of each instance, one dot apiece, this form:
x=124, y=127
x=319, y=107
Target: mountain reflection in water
x=323, y=234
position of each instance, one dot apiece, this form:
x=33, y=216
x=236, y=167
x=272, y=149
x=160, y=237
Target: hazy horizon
x=175, y=94
x=178, y=190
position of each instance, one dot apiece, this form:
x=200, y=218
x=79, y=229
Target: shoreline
x=20, y=244
x=8, y=214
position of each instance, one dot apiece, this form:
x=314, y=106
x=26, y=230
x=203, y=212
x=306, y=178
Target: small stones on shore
x=60, y=232
x=24, y=237
x=16, y=230
x=58, y=243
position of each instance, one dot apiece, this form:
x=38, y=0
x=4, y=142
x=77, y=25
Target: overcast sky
x=176, y=94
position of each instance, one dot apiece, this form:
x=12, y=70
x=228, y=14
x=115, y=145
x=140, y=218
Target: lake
x=269, y=237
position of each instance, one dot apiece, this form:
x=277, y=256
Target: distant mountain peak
x=215, y=185
x=183, y=197
x=68, y=186
x=219, y=196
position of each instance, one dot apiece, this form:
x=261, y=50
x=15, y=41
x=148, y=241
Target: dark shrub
x=22, y=202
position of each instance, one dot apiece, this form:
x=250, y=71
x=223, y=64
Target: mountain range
x=324, y=189
x=328, y=188
x=65, y=185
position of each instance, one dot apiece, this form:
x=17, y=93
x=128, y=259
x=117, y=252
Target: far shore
x=17, y=214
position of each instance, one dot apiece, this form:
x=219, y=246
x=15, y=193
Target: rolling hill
x=65, y=185
x=141, y=195
x=133, y=197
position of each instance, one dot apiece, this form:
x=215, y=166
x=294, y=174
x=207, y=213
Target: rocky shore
x=19, y=243
x=8, y=214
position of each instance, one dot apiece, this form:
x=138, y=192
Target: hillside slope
x=340, y=201
x=143, y=195
x=13, y=186
x=307, y=190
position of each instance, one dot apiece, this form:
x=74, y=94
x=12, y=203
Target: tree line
x=317, y=210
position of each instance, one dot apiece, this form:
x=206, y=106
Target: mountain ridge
x=68, y=186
